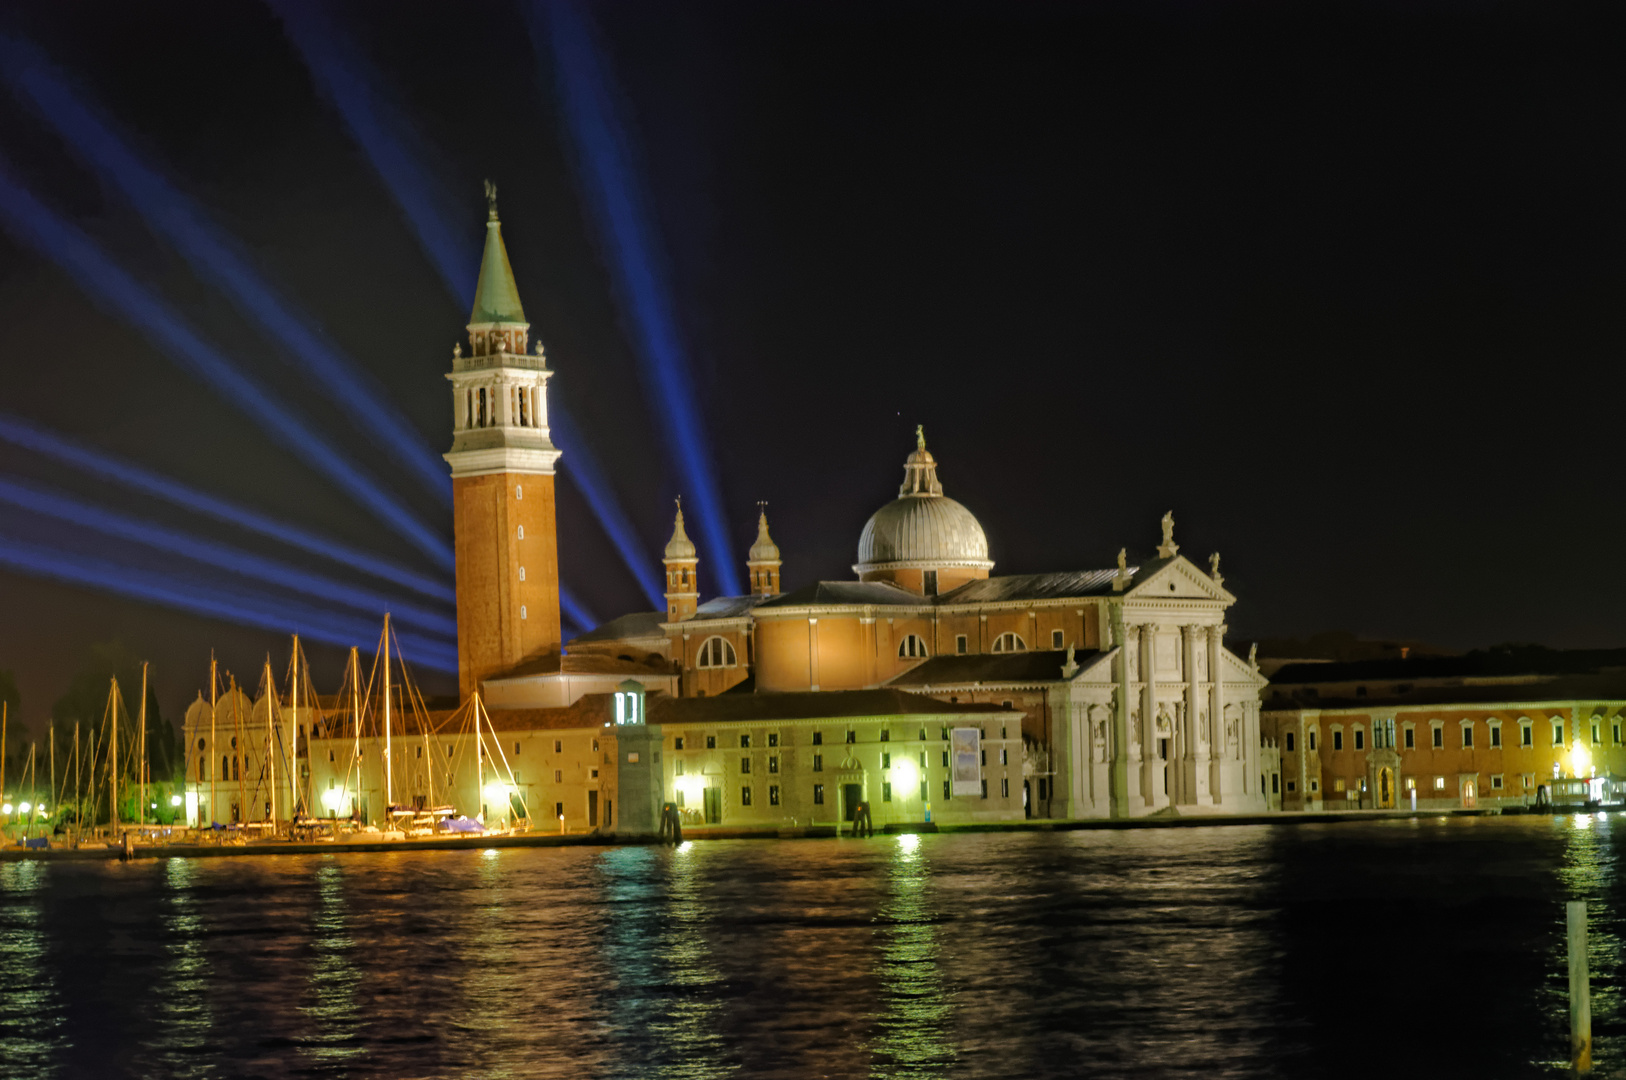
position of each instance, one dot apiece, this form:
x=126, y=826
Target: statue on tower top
x=1168, y=548
x=491, y=199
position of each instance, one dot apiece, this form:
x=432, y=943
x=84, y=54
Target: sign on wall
x=965, y=745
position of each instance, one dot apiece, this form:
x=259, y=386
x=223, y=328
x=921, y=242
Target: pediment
x=1236, y=669
x=1178, y=579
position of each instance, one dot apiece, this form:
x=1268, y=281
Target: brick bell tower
x=502, y=481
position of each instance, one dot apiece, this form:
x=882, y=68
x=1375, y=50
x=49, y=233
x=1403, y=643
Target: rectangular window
x=945, y=789
x=818, y=738
x=558, y=776
x=1337, y=785
x=558, y=809
x=1558, y=733
x=886, y=734
x=886, y=761
x=1042, y=790
x=1525, y=735
x=677, y=766
x=1594, y=734
x=1004, y=756
x=745, y=795
x=558, y=746
x=773, y=764
x=818, y=794
x=886, y=791
x=1411, y=783
x=945, y=759
x=852, y=736
x=1056, y=641
x=745, y=742
x=984, y=757
x=1439, y=783
x=923, y=794
x=1467, y=736
x=960, y=644
x=711, y=742
x=1615, y=733
x=745, y=766
x=1312, y=738
x=1315, y=786
x=818, y=762
x=1411, y=738
x=1004, y=787
x=923, y=760
x=773, y=739
x=1529, y=781
x=1496, y=783
x=1338, y=740
x=1360, y=739
x=1292, y=786
x=773, y=794
x=1439, y=737
x=1287, y=742
x=1496, y=736
x=677, y=743
x=680, y=798
x=985, y=787
x=595, y=750
x=1275, y=783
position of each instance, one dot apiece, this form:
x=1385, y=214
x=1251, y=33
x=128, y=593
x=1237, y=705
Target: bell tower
x=502, y=480
x=682, y=573
x=762, y=562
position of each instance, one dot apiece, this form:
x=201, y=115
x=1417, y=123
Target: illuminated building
x=1481, y=730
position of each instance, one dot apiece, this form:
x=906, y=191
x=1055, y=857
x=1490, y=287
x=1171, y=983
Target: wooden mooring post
x=1580, y=990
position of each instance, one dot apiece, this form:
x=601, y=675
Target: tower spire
x=496, y=297
x=682, y=572
x=762, y=562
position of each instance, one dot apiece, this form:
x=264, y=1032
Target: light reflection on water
x=1232, y=951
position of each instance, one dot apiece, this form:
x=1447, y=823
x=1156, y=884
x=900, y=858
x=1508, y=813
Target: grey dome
x=925, y=531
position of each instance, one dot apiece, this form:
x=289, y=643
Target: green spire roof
x=496, y=299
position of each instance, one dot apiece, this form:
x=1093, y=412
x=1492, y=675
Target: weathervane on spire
x=920, y=436
x=491, y=199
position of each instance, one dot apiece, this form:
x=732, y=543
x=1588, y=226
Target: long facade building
x=1478, y=731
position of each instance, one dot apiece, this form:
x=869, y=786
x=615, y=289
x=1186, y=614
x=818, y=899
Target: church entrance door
x=1470, y=794
x=714, y=805
x=1386, y=788
x=851, y=796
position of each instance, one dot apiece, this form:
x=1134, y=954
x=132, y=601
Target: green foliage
x=86, y=703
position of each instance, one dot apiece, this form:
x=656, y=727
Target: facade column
x=1148, y=713
x=1193, y=780
x=1216, y=712
x=1118, y=750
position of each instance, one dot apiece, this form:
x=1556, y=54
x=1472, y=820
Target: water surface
x=1396, y=948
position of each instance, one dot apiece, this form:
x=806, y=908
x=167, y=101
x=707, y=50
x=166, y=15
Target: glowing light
x=21, y=433
x=51, y=236
x=333, y=799
x=1580, y=759
x=610, y=187
x=6, y=809
x=215, y=259
x=229, y=605
x=498, y=791
x=175, y=800
x=23, y=808
x=904, y=775
x=63, y=508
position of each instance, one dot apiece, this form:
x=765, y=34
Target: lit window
x=773, y=764
x=1009, y=642
x=773, y=794
x=1439, y=783
x=715, y=652
x=818, y=794
x=1411, y=783
x=745, y=796
x=745, y=742
x=522, y=611
x=522, y=532
x=912, y=647
x=677, y=743
x=519, y=491
x=1338, y=785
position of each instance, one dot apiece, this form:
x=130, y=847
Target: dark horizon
x=1328, y=284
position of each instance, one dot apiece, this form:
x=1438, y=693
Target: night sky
x=1339, y=285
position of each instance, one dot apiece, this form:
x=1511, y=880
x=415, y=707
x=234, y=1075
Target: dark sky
x=1340, y=285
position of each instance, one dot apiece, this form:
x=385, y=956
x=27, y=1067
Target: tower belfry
x=502, y=480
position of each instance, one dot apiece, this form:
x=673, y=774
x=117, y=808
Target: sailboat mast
x=239, y=759
x=271, y=737
x=78, y=804
x=355, y=713
x=389, y=787
x=141, y=752
x=113, y=760
x=50, y=735
x=479, y=761
x=293, y=756
x=214, y=775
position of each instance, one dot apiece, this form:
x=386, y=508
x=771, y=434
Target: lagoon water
x=1396, y=948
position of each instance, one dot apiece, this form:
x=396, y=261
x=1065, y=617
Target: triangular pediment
x=1234, y=669
x=1176, y=579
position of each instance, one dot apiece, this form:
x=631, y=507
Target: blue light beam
x=344, y=77
x=233, y=560
x=610, y=187
x=31, y=222
x=212, y=602
x=574, y=610
x=21, y=433
x=216, y=259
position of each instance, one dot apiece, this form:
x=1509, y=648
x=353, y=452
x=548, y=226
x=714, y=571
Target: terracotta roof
x=818, y=705
x=1043, y=665
x=639, y=624
x=582, y=664
x=848, y=593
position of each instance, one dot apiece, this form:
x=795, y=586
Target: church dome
x=922, y=528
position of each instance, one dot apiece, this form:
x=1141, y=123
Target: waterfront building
x=1483, y=730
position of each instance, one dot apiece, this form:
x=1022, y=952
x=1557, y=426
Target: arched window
x=519, y=492
x=715, y=652
x=522, y=573
x=1009, y=642
x=480, y=407
x=912, y=647
x=522, y=532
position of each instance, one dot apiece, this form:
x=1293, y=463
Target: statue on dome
x=920, y=436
